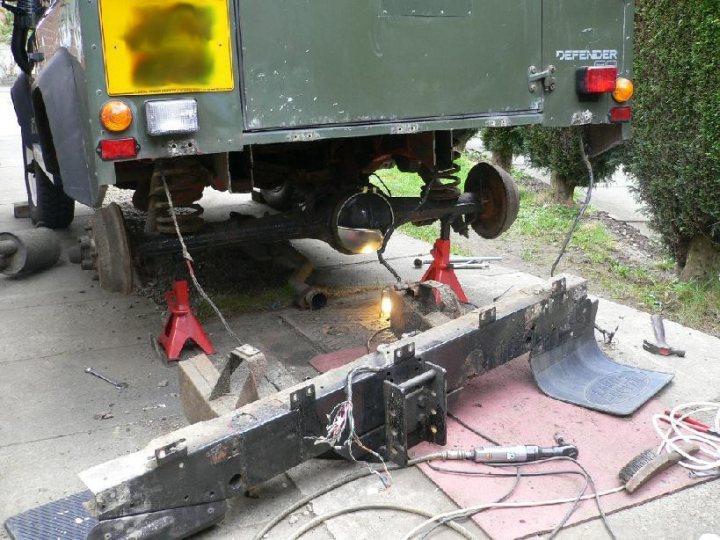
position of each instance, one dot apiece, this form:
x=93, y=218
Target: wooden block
x=21, y=210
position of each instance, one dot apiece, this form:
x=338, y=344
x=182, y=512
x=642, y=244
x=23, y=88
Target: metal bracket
x=403, y=352
x=487, y=315
x=171, y=523
x=417, y=405
x=170, y=452
x=304, y=402
x=558, y=287
x=546, y=76
x=396, y=406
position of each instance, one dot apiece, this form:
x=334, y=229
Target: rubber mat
x=505, y=406
x=579, y=372
x=64, y=518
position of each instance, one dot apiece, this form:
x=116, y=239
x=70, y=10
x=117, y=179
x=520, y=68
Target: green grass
x=550, y=222
x=233, y=303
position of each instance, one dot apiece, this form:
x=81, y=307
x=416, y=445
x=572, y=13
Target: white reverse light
x=171, y=116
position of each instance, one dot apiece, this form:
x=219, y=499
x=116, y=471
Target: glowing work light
x=170, y=116
x=385, y=305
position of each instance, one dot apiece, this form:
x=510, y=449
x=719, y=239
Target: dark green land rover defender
x=300, y=102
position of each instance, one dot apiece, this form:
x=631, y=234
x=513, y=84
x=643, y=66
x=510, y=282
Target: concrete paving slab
x=409, y=488
x=267, y=331
x=46, y=330
x=58, y=389
x=696, y=375
x=686, y=515
x=37, y=472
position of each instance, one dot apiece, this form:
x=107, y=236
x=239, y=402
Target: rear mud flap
x=578, y=372
x=69, y=518
x=65, y=518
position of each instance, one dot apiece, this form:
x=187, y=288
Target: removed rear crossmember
x=178, y=484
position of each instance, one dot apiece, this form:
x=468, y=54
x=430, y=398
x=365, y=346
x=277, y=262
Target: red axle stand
x=441, y=270
x=182, y=324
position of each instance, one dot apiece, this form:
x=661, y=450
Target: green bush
x=558, y=151
x=675, y=153
x=504, y=143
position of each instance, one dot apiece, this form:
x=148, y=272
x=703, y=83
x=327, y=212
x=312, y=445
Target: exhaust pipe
x=306, y=296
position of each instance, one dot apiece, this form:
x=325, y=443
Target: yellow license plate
x=166, y=46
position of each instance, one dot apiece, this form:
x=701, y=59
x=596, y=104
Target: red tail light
x=620, y=114
x=118, y=148
x=596, y=80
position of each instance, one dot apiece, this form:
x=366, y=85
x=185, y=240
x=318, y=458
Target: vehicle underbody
x=322, y=190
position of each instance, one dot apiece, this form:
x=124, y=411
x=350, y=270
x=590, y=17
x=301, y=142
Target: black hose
x=18, y=43
x=24, y=15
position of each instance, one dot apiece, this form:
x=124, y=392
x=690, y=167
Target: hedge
x=675, y=153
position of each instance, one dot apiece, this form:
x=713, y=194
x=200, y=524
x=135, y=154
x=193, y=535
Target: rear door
x=324, y=62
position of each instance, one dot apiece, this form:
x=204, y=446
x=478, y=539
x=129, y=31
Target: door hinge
x=546, y=76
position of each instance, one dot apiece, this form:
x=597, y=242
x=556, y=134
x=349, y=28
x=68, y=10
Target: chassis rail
x=190, y=472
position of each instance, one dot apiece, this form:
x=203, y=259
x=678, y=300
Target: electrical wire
x=381, y=252
x=682, y=431
x=357, y=475
x=462, y=531
x=368, y=344
x=472, y=429
x=505, y=497
x=189, y=262
x=583, y=207
x=525, y=504
x=384, y=185
x=341, y=419
x=442, y=455
x=468, y=512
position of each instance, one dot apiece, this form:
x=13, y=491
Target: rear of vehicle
x=296, y=99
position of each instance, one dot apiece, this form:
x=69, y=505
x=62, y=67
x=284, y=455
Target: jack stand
x=182, y=324
x=441, y=269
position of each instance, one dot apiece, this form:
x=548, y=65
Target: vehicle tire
x=49, y=206
x=280, y=197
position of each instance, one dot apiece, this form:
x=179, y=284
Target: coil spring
x=442, y=185
x=186, y=185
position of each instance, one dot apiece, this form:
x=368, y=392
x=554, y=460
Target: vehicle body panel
x=351, y=68
x=364, y=61
x=577, y=33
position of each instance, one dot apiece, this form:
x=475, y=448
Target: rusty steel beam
x=213, y=460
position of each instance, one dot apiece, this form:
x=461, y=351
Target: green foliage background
x=554, y=149
x=558, y=150
x=675, y=153
x=505, y=139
